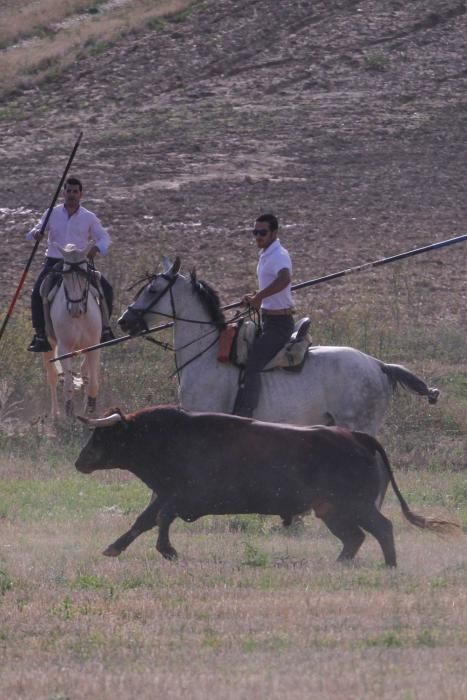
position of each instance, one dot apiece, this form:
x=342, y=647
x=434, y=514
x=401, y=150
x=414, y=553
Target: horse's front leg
x=52, y=380
x=92, y=387
x=67, y=383
x=84, y=372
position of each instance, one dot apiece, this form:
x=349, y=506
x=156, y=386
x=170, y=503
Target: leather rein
x=75, y=268
x=171, y=279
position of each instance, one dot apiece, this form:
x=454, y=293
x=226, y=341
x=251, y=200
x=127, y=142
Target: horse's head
x=75, y=278
x=154, y=297
x=74, y=258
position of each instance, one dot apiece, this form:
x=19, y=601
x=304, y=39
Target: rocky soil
x=345, y=118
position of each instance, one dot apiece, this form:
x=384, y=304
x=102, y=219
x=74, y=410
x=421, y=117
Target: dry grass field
x=40, y=39
x=247, y=611
x=348, y=120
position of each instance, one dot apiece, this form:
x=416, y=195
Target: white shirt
x=80, y=228
x=271, y=260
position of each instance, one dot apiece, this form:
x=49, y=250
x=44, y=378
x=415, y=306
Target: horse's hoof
x=69, y=410
x=111, y=551
x=433, y=395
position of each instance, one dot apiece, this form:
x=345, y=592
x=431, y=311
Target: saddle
x=236, y=341
x=52, y=283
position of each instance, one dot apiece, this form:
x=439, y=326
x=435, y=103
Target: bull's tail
x=399, y=375
x=436, y=525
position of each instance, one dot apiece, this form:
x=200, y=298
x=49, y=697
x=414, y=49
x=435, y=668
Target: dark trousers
x=275, y=334
x=37, y=311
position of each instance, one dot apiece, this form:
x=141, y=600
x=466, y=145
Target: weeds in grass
x=91, y=582
x=248, y=524
x=65, y=610
x=254, y=556
x=211, y=639
x=375, y=61
x=6, y=583
x=8, y=407
x=390, y=639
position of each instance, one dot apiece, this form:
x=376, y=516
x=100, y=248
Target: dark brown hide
x=213, y=464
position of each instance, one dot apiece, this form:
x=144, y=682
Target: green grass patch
x=391, y=639
x=6, y=582
x=56, y=498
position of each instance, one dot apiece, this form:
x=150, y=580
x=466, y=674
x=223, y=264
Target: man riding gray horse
x=274, y=301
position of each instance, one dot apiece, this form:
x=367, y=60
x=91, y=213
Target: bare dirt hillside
x=346, y=118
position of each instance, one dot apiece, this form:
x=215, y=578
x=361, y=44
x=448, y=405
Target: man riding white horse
x=73, y=319
x=69, y=223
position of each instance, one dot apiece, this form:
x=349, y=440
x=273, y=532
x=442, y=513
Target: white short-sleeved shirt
x=271, y=260
x=81, y=228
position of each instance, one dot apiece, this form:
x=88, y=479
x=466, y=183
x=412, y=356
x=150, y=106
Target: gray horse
x=337, y=385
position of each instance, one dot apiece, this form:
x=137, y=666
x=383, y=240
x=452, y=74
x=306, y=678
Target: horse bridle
x=75, y=268
x=140, y=313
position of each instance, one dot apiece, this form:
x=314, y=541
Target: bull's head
x=104, y=445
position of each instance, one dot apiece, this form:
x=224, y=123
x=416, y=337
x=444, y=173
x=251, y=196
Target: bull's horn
x=101, y=422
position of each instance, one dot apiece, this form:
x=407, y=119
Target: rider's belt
x=277, y=312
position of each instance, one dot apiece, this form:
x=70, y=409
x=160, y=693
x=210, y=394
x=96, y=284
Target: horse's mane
x=209, y=299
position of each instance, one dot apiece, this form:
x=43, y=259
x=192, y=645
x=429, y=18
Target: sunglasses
x=259, y=232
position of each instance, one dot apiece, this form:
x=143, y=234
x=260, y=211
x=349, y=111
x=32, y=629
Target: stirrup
x=39, y=344
x=106, y=335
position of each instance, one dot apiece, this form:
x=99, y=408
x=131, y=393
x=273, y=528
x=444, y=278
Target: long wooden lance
x=39, y=237
x=295, y=287
x=382, y=261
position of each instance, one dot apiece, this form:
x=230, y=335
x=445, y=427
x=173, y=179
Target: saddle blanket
x=236, y=346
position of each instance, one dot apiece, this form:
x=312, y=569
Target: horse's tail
x=399, y=375
x=437, y=525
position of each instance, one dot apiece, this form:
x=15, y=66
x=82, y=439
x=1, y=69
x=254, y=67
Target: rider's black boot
x=107, y=334
x=39, y=343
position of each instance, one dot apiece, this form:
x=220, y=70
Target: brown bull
x=217, y=464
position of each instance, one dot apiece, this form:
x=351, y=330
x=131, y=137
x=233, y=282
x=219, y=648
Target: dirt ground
x=347, y=119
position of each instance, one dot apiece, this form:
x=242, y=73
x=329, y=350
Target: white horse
x=77, y=323
x=337, y=385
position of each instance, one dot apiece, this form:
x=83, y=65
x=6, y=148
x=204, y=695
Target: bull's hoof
x=111, y=551
x=433, y=395
x=170, y=553
x=295, y=525
x=345, y=560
